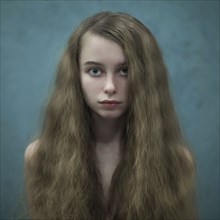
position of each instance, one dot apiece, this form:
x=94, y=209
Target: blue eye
x=95, y=71
x=124, y=71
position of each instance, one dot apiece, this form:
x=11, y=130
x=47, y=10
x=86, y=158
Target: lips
x=110, y=102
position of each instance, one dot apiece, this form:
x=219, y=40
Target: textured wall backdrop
x=33, y=34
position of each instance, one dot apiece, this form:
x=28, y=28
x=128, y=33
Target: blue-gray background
x=33, y=34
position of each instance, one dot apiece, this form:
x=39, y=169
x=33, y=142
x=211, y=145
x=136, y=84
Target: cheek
x=90, y=88
x=125, y=92
x=123, y=85
x=84, y=87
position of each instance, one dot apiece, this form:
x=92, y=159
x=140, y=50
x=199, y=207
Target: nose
x=110, y=87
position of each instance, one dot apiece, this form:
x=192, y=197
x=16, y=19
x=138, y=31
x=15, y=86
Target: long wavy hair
x=154, y=180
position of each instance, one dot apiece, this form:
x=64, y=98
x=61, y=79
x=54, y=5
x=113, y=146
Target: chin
x=110, y=115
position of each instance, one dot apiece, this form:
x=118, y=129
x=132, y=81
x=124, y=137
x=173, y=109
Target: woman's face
x=103, y=71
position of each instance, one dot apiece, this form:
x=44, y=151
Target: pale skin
x=103, y=73
x=104, y=77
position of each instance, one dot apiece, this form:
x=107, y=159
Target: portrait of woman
x=110, y=146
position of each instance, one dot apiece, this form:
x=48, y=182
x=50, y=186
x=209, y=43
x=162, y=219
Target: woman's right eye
x=94, y=71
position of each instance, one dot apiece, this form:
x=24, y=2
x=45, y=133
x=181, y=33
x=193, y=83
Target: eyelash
x=123, y=71
x=94, y=68
x=126, y=71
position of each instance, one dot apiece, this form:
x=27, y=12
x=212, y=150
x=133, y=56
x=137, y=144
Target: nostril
x=110, y=88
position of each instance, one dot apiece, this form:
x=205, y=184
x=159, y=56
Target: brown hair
x=154, y=179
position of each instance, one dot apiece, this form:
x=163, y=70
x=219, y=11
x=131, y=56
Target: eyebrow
x=88, y=63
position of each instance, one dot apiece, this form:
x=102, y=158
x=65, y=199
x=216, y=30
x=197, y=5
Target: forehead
x=100, y=49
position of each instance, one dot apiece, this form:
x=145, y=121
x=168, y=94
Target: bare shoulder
x=187, y=154
x=29, y=170
x=187, y=158
x=30, y=151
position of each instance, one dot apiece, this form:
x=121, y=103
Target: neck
x=108, y=130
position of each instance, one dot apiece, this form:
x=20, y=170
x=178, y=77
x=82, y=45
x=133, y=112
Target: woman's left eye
x=95, y=71
x=124, y=71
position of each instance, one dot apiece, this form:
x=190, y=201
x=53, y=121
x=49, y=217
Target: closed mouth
x=110, y=102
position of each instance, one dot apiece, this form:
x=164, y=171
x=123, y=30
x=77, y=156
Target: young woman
x=110, y=146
